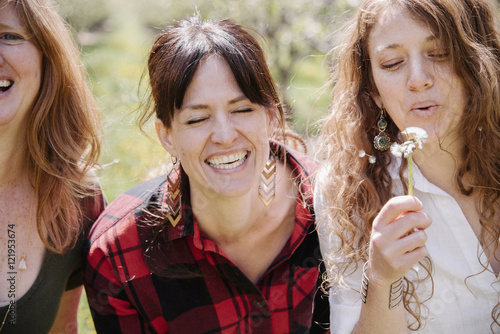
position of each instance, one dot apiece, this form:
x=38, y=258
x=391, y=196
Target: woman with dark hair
x=427, y=262
x=49, y=142
x=225, y=242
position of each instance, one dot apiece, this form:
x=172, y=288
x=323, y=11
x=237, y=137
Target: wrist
x=395, y=289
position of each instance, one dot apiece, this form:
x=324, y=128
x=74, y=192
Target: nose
x=224, y=132
x=420, y=76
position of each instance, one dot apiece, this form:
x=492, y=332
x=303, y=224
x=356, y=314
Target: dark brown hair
x=178, y=51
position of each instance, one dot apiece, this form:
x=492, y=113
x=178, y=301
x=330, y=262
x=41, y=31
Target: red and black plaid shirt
x=139, y=280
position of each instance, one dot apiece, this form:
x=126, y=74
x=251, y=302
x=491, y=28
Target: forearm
x=66, y=320
x=376, y=316
x=397, y=243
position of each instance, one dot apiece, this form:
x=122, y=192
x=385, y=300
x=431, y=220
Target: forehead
x=395, y=26
x=212, y=81
x=8, y=14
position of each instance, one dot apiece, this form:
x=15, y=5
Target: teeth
x=227, y=161
x=5, y=83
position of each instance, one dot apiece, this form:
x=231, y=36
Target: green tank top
x=36, y=311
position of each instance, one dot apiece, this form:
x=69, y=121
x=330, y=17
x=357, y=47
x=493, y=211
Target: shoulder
x=303, y=162
x=122, y=214
x=91, y=207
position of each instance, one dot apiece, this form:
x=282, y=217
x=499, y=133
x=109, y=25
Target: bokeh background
x=115, y=36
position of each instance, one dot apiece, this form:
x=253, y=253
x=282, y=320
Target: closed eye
x=196, y=120
x=390, y=65
x=244, y=110
x=439, y=56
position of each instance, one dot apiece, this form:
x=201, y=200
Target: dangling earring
x=174, y=198
x=267, y=183
x=381, y=141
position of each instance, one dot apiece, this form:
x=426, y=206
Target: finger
x=411, y=242
x=392, y=251
x=398, y=264
x=394, y=207
x=415, y=256
x=407, y=223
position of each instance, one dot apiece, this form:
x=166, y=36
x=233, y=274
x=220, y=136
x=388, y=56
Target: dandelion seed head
x=415, y=137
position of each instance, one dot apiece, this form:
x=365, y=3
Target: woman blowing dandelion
x=428, y=261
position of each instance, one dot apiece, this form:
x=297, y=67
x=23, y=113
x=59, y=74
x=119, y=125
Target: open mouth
x=5, y=85
x=228, y=161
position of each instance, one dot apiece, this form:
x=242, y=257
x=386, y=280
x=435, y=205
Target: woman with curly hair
x=427, y=262
x=49, y=141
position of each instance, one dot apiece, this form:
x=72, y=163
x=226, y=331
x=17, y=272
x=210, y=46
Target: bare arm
x=66, y=320
x=394, y=248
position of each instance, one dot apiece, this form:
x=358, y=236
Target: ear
x=377, y=99
x=271, y=120
x=165, y=136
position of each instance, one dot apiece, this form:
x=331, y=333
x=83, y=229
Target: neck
x=439, y=164
x=226, y=220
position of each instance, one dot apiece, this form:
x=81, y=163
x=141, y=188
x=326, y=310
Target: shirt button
x=261, y=303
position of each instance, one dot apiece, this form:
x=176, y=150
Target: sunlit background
x=116, y=35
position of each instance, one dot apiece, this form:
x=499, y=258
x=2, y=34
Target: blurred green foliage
x=116, y=35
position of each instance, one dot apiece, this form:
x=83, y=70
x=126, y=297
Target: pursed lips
x=424, y=109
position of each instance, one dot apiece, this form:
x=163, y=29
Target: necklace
x=21, y=267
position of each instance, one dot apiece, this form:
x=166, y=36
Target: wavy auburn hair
x=355, y=190
x=63, y=129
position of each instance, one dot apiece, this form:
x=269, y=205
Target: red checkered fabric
x=142, y=279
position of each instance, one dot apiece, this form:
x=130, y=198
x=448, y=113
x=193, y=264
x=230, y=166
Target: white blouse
x=461, y=303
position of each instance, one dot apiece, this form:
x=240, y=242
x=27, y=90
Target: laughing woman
x=225, y=242
x=49, y=141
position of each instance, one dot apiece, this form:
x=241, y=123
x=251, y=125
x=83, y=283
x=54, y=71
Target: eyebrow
x=10, y=26
x=204, y=106
x=430, y=38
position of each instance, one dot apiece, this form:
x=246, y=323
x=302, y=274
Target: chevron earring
x=174, y=198
x=267, y=184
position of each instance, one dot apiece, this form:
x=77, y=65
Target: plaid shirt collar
x=188, y=226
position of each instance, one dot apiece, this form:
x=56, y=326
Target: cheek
x=185, y=147
x=385, y=87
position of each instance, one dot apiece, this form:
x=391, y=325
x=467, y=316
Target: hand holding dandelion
x=414, y=138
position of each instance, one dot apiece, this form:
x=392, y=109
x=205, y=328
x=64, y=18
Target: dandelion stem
x=410, y=176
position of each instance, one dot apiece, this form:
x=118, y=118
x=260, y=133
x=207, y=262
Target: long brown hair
x=63, y=130
x=355, y=188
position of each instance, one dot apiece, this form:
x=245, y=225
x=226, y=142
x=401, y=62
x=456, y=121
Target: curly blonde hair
x=356, y=190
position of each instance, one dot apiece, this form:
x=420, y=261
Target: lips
x=228, y=161
x=5, y=85
x=424, y=109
